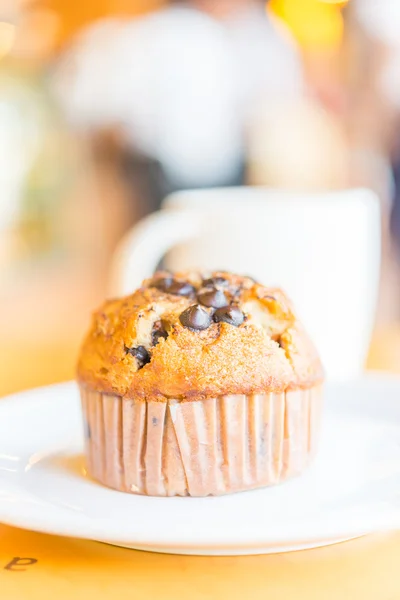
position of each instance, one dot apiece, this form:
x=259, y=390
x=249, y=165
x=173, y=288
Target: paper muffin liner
x=200, y=448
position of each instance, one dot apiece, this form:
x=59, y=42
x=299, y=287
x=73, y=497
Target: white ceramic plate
x=352, y=488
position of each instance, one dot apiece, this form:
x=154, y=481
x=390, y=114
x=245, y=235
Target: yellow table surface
x=366, y=568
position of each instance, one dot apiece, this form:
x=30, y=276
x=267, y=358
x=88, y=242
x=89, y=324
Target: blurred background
x=106, y=106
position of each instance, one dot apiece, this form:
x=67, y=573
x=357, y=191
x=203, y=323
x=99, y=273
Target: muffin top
x=192, y=336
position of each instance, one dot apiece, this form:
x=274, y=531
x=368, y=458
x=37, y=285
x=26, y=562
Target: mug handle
x=142, y=248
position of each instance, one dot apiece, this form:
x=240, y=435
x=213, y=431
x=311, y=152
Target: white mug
x=323, y=249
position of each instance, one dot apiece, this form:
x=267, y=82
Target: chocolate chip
x=195, y=317
x=170, y=286
x=163, y=284
x=154, y=420
x=229, y=314
x=181, y=288
x=158, y=333
x=213, y=298
x=215, y=282
x=141, y=355
x=156, y=336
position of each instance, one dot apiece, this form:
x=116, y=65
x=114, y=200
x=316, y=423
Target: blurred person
x=373, y=123
x=381, y=21
x=298, y=146
x=179, y=86
x=302, y=143
x=369, y=110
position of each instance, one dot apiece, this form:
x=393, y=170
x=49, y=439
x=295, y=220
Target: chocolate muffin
x=198, y=385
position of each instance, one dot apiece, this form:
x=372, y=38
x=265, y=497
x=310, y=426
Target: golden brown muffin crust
x=141, y=346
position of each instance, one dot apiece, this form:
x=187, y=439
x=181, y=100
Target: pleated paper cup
x=200, y=448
